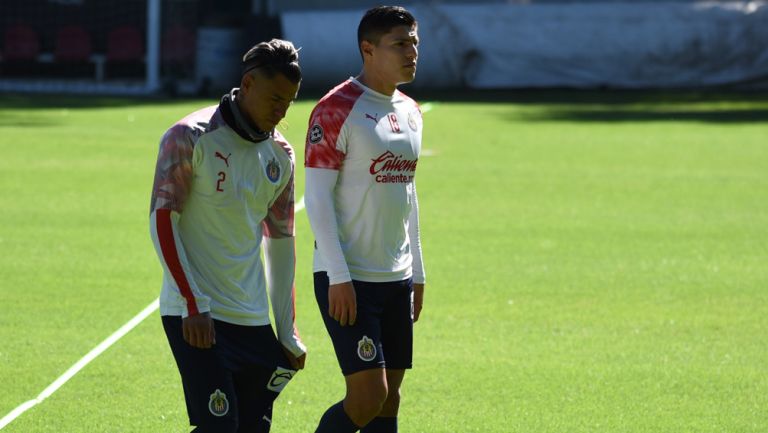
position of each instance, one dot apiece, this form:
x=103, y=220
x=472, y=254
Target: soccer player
x=223, y=189
x=362, y=148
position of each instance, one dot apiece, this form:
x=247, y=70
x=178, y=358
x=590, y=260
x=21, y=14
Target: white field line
x=112, y=339
x=104, y=345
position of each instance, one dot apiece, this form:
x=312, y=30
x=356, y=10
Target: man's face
x=266, y=100
x=395, y=55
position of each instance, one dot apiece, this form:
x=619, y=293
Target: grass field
x=597, y=262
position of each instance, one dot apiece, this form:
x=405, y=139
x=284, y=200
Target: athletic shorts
x=382, y=336
x=233, y=384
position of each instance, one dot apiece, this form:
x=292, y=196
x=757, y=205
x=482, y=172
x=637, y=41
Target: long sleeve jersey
x=220, y=188
x=361, y=154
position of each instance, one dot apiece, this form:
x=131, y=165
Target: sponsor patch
x=366, y=350
x=315, y=134
x=218, y=405
x=273, y=171
x=279, y=379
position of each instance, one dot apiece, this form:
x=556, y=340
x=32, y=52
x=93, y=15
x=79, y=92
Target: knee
x=366, y=405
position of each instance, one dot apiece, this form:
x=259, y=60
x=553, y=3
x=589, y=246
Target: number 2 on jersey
x=222, y=178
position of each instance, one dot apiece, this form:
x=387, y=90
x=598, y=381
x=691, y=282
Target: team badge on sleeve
x=412, y=122
x=315, y=134
x=273, y=170
x=218, y=405
x=366, y=350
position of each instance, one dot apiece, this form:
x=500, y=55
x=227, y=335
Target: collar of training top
x=237, y=121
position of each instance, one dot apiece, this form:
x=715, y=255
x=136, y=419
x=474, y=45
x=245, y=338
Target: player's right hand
x=342, y=303
x=297, y=362
x=198, y=330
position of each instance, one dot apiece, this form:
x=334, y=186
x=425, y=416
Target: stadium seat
x=125, y=53
x=72, y=44
x=177, y=55
x=125, y=44
x=178, y=45
x=21, y=43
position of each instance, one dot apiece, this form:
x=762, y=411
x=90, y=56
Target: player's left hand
x=418, y=300
x=297, y=362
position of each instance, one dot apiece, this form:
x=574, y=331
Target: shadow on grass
x=588, y=97
x=615, y=114
x=553, y=104
x=74, y=102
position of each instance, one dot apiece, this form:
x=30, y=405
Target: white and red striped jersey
x=362, y=150
x=219, y=189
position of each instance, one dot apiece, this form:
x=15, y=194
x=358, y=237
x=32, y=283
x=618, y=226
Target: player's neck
x=377, y=84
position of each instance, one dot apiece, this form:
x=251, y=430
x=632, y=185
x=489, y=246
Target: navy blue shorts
x=231, y=386
x=382, y=336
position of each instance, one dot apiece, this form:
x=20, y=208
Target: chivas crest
x=273, y=170
x=366, y=350
x=218, y=405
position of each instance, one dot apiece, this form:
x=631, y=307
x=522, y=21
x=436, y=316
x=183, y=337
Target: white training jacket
x=220, y=189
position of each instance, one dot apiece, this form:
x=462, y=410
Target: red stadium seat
x=73, y=44
x=125, y=44
x=178, y=45
x=21, y=43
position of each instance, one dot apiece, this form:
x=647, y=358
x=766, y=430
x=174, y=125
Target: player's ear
x=246, y=82
x=367, y=48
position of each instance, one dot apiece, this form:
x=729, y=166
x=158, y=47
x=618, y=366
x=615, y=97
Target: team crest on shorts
x=218, y=405
x=315, y=134
x=366, y=350
x=273, y=170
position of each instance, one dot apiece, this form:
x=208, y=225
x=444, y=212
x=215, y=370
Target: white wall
x=631, y=45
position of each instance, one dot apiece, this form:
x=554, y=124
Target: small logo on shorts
x=279, y=379
x=366, y=350
x=218, y=405
x=315, y=134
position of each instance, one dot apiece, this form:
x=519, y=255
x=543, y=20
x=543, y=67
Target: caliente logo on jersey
x=218, y=404
x=391, y=168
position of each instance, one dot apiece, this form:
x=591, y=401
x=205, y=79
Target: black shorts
x=382, y=336
x=233, y=384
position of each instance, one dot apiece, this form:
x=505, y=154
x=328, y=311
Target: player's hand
x=342, y=303
x=418, y=300
x=297, y=363
x=198, y=330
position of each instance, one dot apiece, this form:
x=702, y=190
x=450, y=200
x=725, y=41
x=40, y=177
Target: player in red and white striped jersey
x=362, y=150
x=224, y=188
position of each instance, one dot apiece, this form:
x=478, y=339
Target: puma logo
x=374, y=118
x=226, y=160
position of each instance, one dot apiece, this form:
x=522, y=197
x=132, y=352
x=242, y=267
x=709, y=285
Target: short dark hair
x=272, y=57
x=379, y=21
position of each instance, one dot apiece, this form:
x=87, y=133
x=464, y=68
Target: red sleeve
x=324, y=145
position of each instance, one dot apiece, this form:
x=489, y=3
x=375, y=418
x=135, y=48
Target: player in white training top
x=362, y=151
x=224, y=188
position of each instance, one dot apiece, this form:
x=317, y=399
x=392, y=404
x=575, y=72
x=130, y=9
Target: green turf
x=596, y=263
